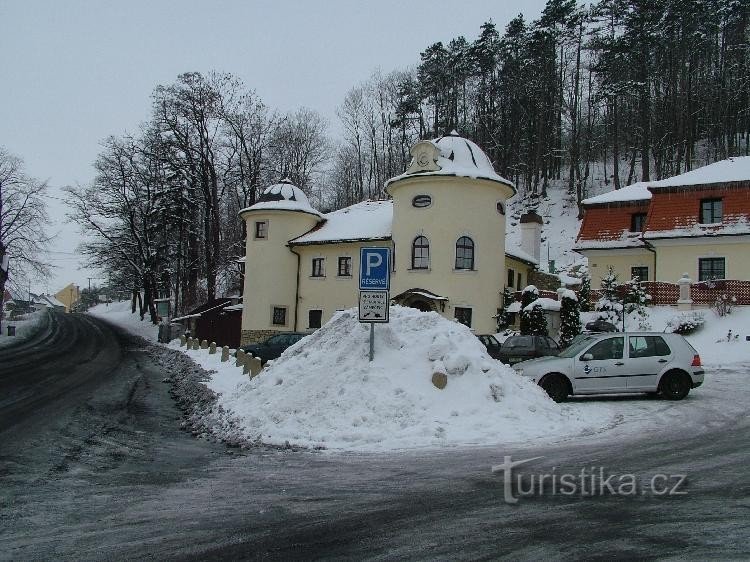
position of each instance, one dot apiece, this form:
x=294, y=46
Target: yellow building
x=69, y=296
x=445, y=225
x=696, y=223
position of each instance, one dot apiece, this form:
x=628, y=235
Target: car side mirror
x=587, y=357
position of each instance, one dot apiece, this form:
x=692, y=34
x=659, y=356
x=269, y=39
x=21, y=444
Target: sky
x=74, y=72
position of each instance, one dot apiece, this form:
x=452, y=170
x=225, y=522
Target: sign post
x=374, y=287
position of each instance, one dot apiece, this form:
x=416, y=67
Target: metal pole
x=372, y=340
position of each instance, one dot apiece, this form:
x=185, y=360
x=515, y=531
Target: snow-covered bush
x=609, y=305
x=636, y=300
x=504, y=317
x=570, y=317
x=724, y=304
x=584, y=295
x=537, y=321
x=686, y=323
x=528, y=295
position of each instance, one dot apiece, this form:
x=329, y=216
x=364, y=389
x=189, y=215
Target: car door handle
x=619, y=363
x=662, y=361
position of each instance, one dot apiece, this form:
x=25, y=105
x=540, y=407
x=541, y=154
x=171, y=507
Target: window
x=420, y=253
x=463, y=315
x=314, y=318
x=640, y=272
x=465, y=253
x=511, y=278
x=318, y=269
x=345, y=267
x=421, y=201
x=261, y=230
x=278, y=316
x=637, y=222
x=500, y=208
x=711, y=268
x=647, y=346
x=518, y=282
x=712, y=211
x=611, y=348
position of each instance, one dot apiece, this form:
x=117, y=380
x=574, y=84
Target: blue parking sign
x=374, y=269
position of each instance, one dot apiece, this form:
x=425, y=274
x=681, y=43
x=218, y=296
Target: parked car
x=274, y=346
x=651, y=362
x=521, y=348
x=600, y=326
x=492, y=345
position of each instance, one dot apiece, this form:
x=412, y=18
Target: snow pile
x=322, y=392
x=26, y=326
x=118, y=313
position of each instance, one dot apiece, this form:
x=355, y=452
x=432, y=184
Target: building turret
x=282, y=213
x=449, y=231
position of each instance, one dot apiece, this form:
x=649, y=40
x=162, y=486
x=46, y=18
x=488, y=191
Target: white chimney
x=531, y=234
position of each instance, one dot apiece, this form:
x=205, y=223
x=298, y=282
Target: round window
x=500, y=208
x=421, y=201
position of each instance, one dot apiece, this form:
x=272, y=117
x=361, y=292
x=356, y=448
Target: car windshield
x=577, y=346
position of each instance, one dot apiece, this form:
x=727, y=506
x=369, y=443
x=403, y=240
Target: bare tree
x=23, y=218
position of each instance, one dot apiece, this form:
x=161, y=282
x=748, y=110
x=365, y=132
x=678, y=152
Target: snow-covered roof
x=520, y=255
x=545, y=303
x=634, y=192
x=369, y=220
x=52, y=301
x=627, y=239
x=283, y=196
x=733, y=225
x=458, y=157
x=729, y=170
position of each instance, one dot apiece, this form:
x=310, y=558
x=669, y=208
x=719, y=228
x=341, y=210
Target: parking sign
x=374, y=269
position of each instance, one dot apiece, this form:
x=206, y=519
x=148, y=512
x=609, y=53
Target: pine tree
x=503, y=319
x=636, y=300
x=609, y=305
x=570, y=318
x=529, y=295
x=537, y=321
x=584, y=295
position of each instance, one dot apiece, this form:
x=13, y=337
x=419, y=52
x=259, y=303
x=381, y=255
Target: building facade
x=445, y=225
x=696, y=223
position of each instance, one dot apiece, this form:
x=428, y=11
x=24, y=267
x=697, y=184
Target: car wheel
x=675, y=385
x=556, y=387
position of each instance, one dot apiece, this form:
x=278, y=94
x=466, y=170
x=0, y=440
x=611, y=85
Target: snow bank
x=26, y=326
x=118, y=313
x=322, y=392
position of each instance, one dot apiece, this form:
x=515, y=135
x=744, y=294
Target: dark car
x=520, y=348
x=273, y=346
x=600, y=326
x=492, y=345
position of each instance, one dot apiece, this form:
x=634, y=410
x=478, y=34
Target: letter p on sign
x=374, y=269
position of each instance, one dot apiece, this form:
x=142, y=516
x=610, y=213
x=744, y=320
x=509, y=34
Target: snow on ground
x=322, y=392
x=25, y=325
x=119, y=313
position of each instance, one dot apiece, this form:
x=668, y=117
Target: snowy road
x=93, y=465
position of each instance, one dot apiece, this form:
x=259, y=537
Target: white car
x=613, y=363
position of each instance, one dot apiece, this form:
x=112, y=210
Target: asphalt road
x=93, y=465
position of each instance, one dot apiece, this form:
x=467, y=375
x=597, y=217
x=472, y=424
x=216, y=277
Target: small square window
x=463, y=315
x=637, y=222
x=278, y=316
x=314, y=318
x=711, y=268
x=261, y=230
x=712, y=211
x=318, y=269
x=640, y=272
x=345, y=267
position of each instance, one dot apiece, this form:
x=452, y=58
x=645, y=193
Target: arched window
x=465, y=253
x=420, y=253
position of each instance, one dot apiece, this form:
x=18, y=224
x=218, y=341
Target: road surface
x=93, y=465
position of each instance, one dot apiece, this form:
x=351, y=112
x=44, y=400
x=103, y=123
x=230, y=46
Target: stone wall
x=256, y=336
x=544, y=281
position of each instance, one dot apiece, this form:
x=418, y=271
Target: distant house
x=218, y=321
x=69, y=296
x=697, y=222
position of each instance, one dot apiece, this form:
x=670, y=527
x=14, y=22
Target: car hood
x=541, y=363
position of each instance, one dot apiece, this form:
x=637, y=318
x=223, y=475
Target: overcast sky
x=74, y=72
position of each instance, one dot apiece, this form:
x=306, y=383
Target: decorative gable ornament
x=424, y=157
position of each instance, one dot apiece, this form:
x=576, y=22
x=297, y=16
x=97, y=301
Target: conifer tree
x=537, y=321
x=570, y=318
x=610, y=305
x=584, y=296
x=636, y=300
x=503, y=319
x=529, y=295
